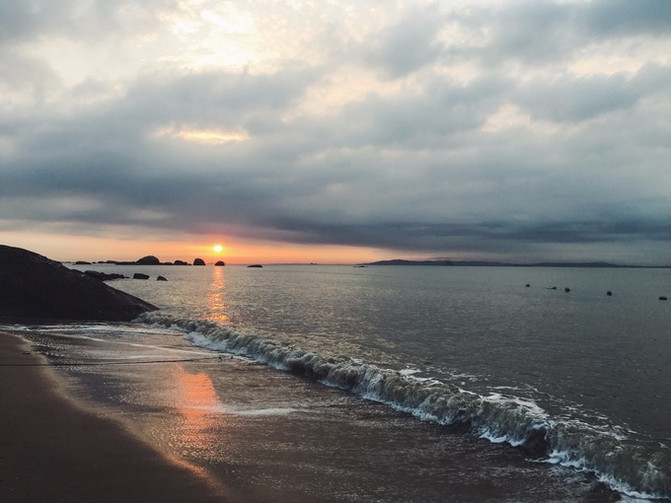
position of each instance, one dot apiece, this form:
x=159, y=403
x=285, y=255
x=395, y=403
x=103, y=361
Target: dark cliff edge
x=35, y=287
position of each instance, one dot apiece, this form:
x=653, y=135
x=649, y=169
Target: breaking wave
x=635, y=470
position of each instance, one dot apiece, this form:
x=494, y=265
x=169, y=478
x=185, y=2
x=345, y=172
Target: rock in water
x=104, y=276
x=33, y=286
x=198, y=261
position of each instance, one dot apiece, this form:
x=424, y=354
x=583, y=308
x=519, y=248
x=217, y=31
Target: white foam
x=498, y=418
x=271, y=411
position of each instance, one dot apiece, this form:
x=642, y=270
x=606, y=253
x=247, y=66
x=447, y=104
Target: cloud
x=620, y=17
x=483, y=129
x=577, y=99
x=538, y=33
x=23, y=20
x=408, y=45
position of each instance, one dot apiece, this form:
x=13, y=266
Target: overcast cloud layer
x=529, y=130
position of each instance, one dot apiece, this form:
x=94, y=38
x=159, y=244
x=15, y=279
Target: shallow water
x=269, y=436
x=575, y=378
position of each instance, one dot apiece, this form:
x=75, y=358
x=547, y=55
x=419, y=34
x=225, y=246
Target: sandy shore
x=229, y=430
x=52, y=450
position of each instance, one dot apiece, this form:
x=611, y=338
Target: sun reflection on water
x=216, y=297
x=199, y=407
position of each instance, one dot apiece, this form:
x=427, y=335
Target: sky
x=337, y=131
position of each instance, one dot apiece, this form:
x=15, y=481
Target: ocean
x=391, y=383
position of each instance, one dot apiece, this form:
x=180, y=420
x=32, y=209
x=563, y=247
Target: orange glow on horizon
x=70, y=247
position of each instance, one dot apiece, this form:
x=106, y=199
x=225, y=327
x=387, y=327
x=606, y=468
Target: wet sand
x=53, y=450
x=235, y=431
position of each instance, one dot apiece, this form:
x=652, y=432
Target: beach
x=54, y=450
x=178, y=425
x=341, y=385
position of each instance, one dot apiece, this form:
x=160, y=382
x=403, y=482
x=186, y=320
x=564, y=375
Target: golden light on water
x=199, y=408
x=216, y=297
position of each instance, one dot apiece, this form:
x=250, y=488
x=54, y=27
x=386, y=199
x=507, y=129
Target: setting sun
x=217, y=248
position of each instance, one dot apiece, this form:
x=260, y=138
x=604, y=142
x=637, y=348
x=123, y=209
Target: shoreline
x=232, y=431
x=55, y=450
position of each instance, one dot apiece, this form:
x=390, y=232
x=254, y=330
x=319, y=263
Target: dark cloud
x=537, y=32
x=20, y=21
x=27, y=21
x=542, y=34
x=211, y=97
x=578, y=99
x=408, y=45
x=622, y=17
x=509, y=160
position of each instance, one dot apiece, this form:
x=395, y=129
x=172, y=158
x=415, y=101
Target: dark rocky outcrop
x=161, y=278
x=35, y=287
x=139, y=275
x=148, y=260
x=220, y=263
x=256, y=266
x=104, y=276
x=198, y=261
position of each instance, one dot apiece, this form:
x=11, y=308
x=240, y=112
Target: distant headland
x=484, y=263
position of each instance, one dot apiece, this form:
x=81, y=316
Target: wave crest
x=631, y=469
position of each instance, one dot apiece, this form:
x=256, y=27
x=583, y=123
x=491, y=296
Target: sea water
x=539, y=362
